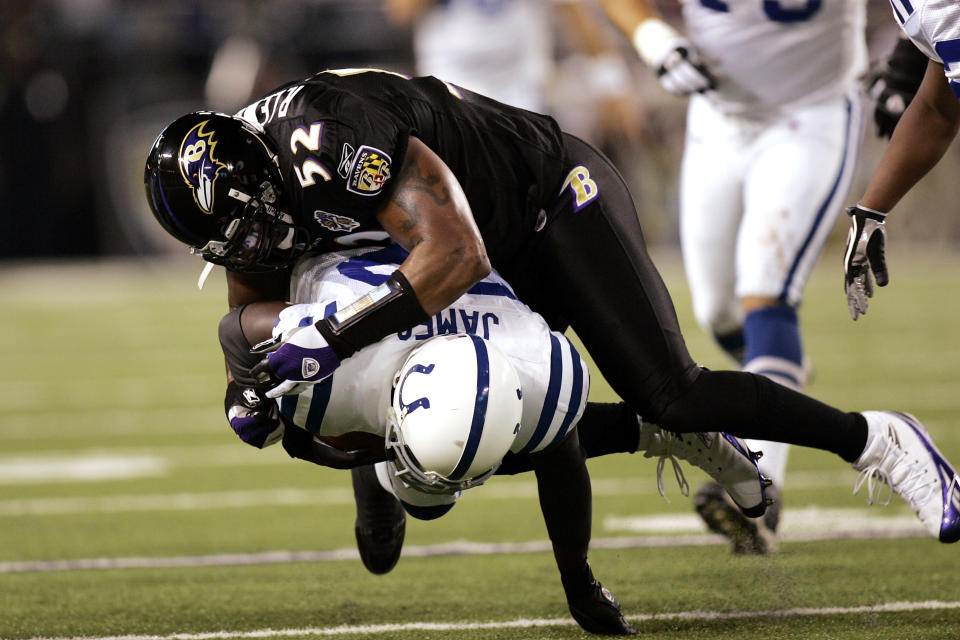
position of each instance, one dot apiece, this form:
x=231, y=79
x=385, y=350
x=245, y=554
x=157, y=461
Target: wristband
x=870, y=213
x=654, y=39
x=389, y=308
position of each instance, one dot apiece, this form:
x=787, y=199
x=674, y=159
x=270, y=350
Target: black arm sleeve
x=300, y=443
x=389, y=308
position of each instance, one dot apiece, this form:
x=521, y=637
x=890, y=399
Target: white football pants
x=759, y=199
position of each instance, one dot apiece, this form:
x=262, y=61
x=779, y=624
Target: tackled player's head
x=457, y=405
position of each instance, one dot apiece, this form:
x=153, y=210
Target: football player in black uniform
x=463, y=182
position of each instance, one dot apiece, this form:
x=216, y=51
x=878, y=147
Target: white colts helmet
x=456, y=410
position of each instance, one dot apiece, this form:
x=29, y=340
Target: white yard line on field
x=289, y=496
x=457, y=548
x=793, y=521
x=694, y=616
x=50, y=470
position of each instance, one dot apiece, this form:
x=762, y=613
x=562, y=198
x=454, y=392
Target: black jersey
x=341, y=134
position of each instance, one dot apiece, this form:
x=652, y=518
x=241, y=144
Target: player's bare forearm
x=922, y=136
x=247, y=288
x=259, y=318
x=626, y=15
x=428, y=215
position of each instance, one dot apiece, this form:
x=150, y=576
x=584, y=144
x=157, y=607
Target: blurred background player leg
x=747, y=274
x=771, y=144
x=501, y=49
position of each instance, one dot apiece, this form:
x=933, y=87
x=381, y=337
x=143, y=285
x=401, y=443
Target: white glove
x=298, y=358
x=678, y=65
x=865, y=254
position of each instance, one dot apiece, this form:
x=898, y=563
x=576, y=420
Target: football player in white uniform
x=921, y=137
x=500, y=48
x=773, y=132
x=482, y=387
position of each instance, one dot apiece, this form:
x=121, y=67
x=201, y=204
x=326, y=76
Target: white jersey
x=554, y=379
x=499, y=48
x=934, y=26
x=769, y=54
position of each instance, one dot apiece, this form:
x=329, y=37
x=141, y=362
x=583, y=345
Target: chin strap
x=203, y=275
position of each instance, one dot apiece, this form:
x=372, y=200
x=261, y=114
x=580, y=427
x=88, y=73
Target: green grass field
x=129, y=508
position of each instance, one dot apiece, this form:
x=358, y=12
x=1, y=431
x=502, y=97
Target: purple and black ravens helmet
x=213, y=182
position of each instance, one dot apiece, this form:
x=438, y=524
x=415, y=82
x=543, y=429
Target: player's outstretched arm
x=922, y=136
x=920, y=139
x=677, y=63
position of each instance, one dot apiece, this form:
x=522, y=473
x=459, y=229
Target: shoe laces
x=668, y=440
x=915, y=486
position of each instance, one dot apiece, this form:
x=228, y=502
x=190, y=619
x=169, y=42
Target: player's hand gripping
x=865, y=254
x=682, y=72
x=679, y=67
x=255, y=421
x=294, y=359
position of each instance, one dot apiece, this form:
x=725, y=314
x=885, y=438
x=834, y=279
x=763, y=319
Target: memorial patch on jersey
x=198, y=166
x=370, y=171
x=582, y=185
x=335, y=222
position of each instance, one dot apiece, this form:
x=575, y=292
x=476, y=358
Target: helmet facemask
x=410, y=471
x=261, y=238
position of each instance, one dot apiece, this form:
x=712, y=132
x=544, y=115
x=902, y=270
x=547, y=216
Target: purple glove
x=300, y=357
x=255, y=421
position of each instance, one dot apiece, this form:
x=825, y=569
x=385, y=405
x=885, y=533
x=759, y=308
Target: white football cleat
x=901, y=454
x=725, y=458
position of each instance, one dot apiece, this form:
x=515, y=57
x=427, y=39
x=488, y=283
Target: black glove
x=893, y=87
x=865, y=254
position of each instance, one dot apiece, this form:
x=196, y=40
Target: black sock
x=752, y=406
x=608, y=428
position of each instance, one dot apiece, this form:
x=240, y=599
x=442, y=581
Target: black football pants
x=589, y=268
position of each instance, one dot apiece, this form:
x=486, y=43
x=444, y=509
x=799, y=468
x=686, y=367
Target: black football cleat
x=592, y=605
x=748, y=536
x=381, y=522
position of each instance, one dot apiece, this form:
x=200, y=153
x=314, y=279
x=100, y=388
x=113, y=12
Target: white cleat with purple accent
x=901, y=454
x=724, y=457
